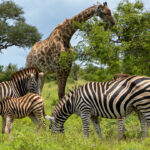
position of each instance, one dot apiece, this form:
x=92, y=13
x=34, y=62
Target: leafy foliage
x=13, y=29
x=5, y=73
x=125, y=47
x=74, y=71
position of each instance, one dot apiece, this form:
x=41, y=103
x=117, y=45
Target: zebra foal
x=31, y=105
x=113, y=99
x=21, y=82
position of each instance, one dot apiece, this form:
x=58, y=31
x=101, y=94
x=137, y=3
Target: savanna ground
x=26, y=138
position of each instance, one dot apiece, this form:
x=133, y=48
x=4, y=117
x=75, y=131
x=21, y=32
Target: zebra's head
x=63, y=110
x=54, y=126
x=34, y=82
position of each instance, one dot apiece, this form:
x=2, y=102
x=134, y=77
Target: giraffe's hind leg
x=95, y=122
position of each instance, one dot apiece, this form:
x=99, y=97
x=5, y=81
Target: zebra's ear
x=49, y=118
x=41, y=74
x=30, y=75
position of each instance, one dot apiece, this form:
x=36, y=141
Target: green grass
x=25, y=136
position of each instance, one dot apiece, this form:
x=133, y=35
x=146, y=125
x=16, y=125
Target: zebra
x=112, y=99
x=21, y=82
x=31, y=105
x=121, y=121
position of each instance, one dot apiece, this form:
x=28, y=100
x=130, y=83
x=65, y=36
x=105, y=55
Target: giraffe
x=45, y=54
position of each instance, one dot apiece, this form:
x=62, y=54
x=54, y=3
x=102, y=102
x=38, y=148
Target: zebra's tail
x=44, y=114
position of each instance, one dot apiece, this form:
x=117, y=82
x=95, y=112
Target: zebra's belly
x=106, y=113
x=110, y=114
x=19, y=115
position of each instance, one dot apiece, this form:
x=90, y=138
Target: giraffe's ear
x=49, y=118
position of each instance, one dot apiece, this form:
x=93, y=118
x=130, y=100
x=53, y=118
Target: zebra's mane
x=64, y=100
x=25, y=72
x=74, y=88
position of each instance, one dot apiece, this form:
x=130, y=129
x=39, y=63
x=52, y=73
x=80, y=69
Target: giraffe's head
x=104, y=12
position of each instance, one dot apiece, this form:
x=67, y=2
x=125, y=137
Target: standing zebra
x=31, y=105
x=113, y=99
x=121, y=127
x=21, y=82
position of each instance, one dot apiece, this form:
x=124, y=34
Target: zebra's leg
x=39, y=115
x=38, y=120
x=3, y=124
x=144, y=125
x=86, y=124
x=95, y=122
x=8, y=124
x=11, y=125
x=121, y=128
x=35, y=121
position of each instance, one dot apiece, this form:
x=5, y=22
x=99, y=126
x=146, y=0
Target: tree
x=13, y=29
x=133, y=32
x=125, y=47
x=74, y=71
x=6, y=72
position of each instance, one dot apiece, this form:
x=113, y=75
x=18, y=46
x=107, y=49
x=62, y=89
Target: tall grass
x=25, y=136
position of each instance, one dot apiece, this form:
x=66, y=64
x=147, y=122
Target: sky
x=45, y=15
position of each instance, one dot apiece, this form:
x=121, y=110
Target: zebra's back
x=22, y=106
x=7, y=90
x=114, y=99
x=21, y=82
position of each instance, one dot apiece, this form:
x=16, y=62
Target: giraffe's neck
x=84, y=15
x=67, y=29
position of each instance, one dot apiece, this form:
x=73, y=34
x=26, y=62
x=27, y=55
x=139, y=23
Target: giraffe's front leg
x=62, y=79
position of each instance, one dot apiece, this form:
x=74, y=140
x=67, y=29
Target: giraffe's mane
x=68, y=19
x=59, y=26
x=25, y=71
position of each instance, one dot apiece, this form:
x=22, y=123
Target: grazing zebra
x=21, y=82
x=113, y=99
x=31, y=105
x=121, y=127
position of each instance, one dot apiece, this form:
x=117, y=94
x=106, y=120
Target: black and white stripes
x=114, y=99
x=31, y=105
x=21, y=82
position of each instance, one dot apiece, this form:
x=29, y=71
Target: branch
x=5, y=46
x=117, y=41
